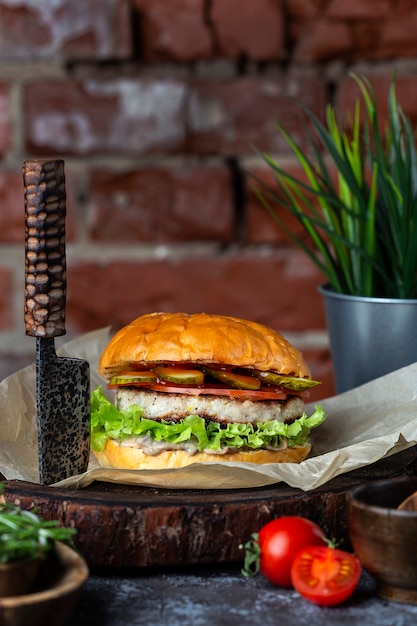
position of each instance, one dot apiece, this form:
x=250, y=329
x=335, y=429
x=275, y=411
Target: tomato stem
x=331, y=543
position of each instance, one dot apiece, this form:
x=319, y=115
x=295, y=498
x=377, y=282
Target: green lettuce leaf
x=107, y=422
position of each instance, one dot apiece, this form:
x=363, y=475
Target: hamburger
x=201, y=388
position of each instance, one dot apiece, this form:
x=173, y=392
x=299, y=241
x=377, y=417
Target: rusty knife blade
x=62, y=383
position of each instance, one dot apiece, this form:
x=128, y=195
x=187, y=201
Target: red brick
x=121, y=116
x=72, y=221
x=162, y=205
x=173, y=30
x=252, y=29
x=6, y=298
x=386, y=39
x=74, y=30
x=398, y=36
x=227, y=116
x=367, y=35
x=403, y=7
x=359, y=9
x=12, y=226
x=12, y=213
x=353, y=30
x=5, y=120
x=261, y=227
x=324, y=40
x=278, y=289
x=304, y=9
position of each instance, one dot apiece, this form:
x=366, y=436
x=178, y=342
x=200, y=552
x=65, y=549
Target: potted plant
x=25, y=541
x=357, y=208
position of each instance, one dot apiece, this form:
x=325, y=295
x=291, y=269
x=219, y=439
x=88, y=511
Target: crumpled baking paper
x=363, y=426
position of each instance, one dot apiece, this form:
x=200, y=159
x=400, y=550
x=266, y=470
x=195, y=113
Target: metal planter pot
x=369, y=337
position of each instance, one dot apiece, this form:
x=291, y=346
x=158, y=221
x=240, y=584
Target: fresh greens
x=107, y=422
x=24, y=535
x=357, y=201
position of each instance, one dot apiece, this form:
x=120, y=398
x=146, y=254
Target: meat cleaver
x=62, y=383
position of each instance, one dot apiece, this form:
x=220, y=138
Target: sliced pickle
x=180, y=376
x=290, y=382
x=146, y=376
x=236, y=381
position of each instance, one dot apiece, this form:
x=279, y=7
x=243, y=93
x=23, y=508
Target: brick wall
x=154, y=105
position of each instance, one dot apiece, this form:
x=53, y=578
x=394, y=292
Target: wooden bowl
x=52, y=596
x=383, y=537
x=17, y=577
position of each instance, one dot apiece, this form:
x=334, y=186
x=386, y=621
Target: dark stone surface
x=221, y=596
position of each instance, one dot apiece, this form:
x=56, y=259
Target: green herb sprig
x=24, y=535
x=358, y=203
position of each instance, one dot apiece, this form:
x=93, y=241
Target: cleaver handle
x=45, y=261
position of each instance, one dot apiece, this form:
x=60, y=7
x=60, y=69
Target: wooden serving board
x=123, y=526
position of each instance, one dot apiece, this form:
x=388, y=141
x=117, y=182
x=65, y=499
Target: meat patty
x=175, y=406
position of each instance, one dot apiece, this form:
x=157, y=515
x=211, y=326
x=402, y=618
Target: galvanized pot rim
x=327, y=290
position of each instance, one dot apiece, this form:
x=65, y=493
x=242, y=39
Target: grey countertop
x=217, y=596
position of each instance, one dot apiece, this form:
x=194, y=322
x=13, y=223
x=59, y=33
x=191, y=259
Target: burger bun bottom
x=124, y=457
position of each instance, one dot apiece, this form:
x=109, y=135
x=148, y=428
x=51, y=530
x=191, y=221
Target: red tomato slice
x=213, y=390
x=325, y=575
x=254, y=396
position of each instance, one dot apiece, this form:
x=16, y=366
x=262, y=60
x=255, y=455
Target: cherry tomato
x=325, y=575
x=275, y=547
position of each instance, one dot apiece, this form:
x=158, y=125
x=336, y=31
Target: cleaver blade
x=62, y=383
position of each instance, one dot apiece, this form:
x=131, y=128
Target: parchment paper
x=363, y=425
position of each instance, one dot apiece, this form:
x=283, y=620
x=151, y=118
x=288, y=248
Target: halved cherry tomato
x=273, y=550
x=325, y=575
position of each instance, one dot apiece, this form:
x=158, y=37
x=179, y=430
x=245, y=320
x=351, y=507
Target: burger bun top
x=201, y=339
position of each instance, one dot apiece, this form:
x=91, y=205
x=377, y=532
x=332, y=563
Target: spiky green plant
x=24, y=535
x=358, y=204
